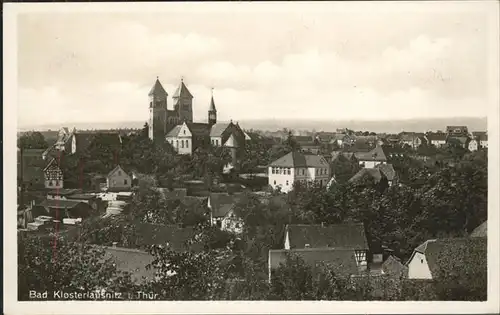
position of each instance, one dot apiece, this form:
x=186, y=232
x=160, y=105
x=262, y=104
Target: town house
x=298, y=166
x=347, y=236
x=118, y=179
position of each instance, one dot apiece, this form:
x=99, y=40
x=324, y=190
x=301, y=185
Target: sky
x=328, y=61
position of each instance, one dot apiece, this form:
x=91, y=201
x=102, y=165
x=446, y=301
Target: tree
x=291, y=143
x=188, y=275
x=32, y=140
x=49, y=264
x=295, y=280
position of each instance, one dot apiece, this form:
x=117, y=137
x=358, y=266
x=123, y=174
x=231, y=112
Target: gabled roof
x=453, y=128
x=199, y=129
x=393, y=266
x=480, y=231
x=387, y=170
x=222, y=203
x=300, y=159
x=118, y=167
x=343, y=261
x=157, y=89
x=131, y=260
x=349, y=235
x=442, y=253
x=461, y=140
x=85, y=138
x=182, y=91
x=218, y=129
x=54, y=163
x=377, y=154
x=174, y=132
x=423, y=247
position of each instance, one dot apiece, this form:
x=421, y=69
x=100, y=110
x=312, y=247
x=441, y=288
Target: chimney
x=114, y=244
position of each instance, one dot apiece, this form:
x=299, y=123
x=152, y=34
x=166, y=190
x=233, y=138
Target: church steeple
x=157, y=89
x=157, y=111
x=212, y=112
x=183, y=102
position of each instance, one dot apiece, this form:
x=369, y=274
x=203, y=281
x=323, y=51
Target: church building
x=177, y=127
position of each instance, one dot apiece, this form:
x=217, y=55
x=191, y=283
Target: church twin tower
x=162, y=120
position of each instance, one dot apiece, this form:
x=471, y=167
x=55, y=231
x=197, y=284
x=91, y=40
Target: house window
x=184, y=131
x=187, y=144
x=57, y=183
x=275, y=182
x=177, y=143
x=124, y=182
x=360, y=255
x=303, y=171
x=182, y=143
x=216, y=142
x=50, y=183
x=289, y=171
x=287, y=183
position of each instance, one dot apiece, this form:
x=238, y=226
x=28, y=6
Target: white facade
x=370, y=164
x=438, y=143
x=473, y=145
x=418, y=267
x=284, y=177
x=118, y=179
x=183, y=143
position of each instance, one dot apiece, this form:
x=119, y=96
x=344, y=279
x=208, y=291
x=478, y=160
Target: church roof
x=218, y=129
x=157, y=89
x=199, y=129
x=182, y=92
x=212, y=104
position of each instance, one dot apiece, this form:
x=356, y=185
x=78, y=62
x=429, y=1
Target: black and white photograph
x=327, y=153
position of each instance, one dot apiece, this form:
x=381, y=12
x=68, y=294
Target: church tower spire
x=212, y=112
x=183, y=102
x=157, y=111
